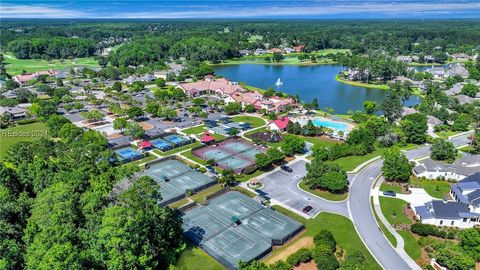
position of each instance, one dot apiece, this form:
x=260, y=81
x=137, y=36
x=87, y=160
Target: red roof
x=206, y=137
x=145, y=144
x=281, y=123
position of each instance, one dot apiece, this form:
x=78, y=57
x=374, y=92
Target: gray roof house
x=244, y=52
x=454, y=90
x=457, y=69
x=462, y=212
x=408, y=110
x=467, y=165
x=16, y=113
x=434, y=121
x=404, y=58
x=463, y=99
x=437, y=72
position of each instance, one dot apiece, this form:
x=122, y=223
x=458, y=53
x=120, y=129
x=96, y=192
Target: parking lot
x=283, y=187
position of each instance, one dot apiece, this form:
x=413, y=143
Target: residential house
x=457, y=69
x=275, y=50
x=404, y=58
x=244, y=52
x=437, y=72
x=429, y=59
x=461, y=57
x=446, y=213
x=278, y=125
x=403, y=79
x=289, y=50
x=299, y=48
x=467, y=191
x=17, y=112
x=25, y=78
x=148, y=78
x=407, y=111
x=461, y=168
x=131, y=79
x=259, y=52
x=454, y=90
x=463, y=99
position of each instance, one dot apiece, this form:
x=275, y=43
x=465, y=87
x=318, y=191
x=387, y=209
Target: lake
x=316, y=81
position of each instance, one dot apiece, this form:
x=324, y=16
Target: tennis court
x=235, y=154
x=128, y=154
x=161, y=144
x=177, y=140
x=212, y=227
x=176, y=178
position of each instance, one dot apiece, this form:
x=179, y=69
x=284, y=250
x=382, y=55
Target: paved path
x=283, y=187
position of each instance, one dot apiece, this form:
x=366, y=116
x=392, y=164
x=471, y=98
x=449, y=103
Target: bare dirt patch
x=146, y=125
x=306, y=266
x=303, y=242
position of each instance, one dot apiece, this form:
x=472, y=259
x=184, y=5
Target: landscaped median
x=323, y=193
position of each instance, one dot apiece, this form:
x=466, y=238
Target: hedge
x=303, y=255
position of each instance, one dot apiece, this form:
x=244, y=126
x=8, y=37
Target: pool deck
x=304, y=119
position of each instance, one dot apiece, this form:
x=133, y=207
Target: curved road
x=362, y=215
x=279, y=186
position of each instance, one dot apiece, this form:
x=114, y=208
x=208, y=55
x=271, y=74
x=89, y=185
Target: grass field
x=177, y=150
x=386, y=186
x=435, y=188
x=194, y=258
x=341, y=228
x=360, y=84
x=29, y=132
x=391, y=238
x=324, y=194
x=411, y=245
x=16, y=66
x=446, y=133
x=392, y=209
x=195, y=130
x=352, y=162
x=252, y=120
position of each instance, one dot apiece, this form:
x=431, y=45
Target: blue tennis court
x=177, y=140
x=161, y=144
x=128, y=154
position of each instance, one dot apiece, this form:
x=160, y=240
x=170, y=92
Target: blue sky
x=415, y=9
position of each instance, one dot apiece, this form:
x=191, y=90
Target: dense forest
x=221, y=39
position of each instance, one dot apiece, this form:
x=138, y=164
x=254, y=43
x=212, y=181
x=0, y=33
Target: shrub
x=303, y=255
x=427, y=229
x=324, y=258
x=326, y=238
x=26, y=121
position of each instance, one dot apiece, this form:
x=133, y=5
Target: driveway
x=418, y=197
x=282, y=186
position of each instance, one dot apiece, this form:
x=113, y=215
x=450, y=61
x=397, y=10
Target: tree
x=120, y=123
x=167, y=113
x=454, y=258
x=117, y=86
x=396, y=166
x=233, y=132
x=470, y=242
x=277, y=57
x=415, y=127
x=325, y=237
x=263, y=161
x=55, y=123
x=321, y=175
x=443, y=150
x=249, y=108
x=137, y=233
x=228, y=178
x=314, y=104
x=11, y=84
x=134, y=112
x=275, y=155
x=134, y=129
x=292, y=145
x=461, y=122
x=324, y=258
x=92, y=116
x=160, y=82
x=354, y=261
x=470, y=90
x=69, y=132
x=370, y=107
x=233, y=108
x=392, y=106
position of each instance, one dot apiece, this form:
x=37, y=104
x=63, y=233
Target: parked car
x=286, y=168
x=307, y=209
x=390, y=193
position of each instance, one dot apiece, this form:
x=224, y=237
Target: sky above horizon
x=321, y=9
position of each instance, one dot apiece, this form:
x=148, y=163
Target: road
x=291, y=195
x=283, y=187
x=362, y=215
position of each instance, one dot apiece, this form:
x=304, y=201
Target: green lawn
x=19, y=133
x=194, y=258
x=435, y=188
x=341, y=228
x=387, y=186
x=392, y=209
x=361, y=84
x=148, y=158
x=324, y=194
x=190, y=155
x=246, y=177
x=411, y=245
x=446, y=133
x=252, y=120
x=194, y=130
x=352, y=162
x=384, y=229
x=322, y=141
x=16, y=66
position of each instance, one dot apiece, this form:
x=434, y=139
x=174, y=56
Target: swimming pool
x=337, y=126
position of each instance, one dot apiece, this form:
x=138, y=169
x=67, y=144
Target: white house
x=462, y=212
x=432, y=169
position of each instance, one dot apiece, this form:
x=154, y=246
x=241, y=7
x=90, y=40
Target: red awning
x=206, y=137
x=145, y=144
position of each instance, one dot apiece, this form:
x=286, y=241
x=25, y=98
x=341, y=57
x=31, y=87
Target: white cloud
x=235, y=10
x=37, y=11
